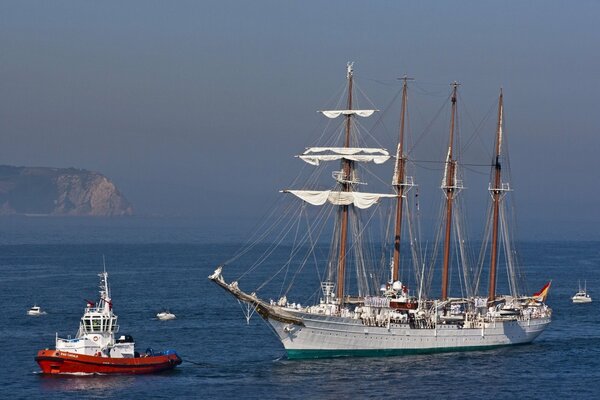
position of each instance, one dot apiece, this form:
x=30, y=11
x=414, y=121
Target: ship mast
x=346, y=187
x=496, y=192
x=449, y=186
x=400, y=183
x=344, y=195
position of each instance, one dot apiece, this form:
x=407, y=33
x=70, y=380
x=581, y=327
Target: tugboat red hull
x=60, y=362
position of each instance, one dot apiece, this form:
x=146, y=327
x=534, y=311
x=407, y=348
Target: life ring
x=95, y=338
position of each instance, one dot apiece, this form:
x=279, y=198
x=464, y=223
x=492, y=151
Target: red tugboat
x=95, y=349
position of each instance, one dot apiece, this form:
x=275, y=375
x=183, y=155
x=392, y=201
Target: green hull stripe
x=303, y=354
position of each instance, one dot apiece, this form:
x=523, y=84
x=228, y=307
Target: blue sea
x=155, y=264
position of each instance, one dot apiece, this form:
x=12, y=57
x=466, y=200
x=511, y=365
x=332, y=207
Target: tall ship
x=372, y=302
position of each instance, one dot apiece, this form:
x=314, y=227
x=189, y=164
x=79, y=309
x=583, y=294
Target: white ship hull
x=323, y=336
x=306, y=334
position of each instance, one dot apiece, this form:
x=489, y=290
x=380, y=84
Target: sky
x=196, y=108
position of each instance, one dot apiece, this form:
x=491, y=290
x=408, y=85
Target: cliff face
x=59, y=191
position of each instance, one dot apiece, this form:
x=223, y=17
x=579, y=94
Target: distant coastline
x=46, y=191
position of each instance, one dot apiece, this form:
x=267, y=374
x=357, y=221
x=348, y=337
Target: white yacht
x=582, y=296
x=165, y=315
x=35, y=311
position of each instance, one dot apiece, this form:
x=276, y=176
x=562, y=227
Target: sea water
x=154, y=265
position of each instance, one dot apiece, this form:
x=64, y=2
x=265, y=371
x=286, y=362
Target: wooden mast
x=496, y=198
x=399, y=184
x=346, y=187
x=449, y=187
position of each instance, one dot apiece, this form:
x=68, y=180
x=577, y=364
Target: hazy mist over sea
x=196, y=109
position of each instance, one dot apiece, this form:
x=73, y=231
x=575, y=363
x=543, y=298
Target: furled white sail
x=319, y=197
x=375, y=155
x=337, y=113
x=314, y=160
x=347, y=150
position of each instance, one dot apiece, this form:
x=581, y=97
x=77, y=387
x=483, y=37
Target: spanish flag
x=543, y=293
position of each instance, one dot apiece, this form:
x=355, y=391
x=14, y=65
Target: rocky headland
x=59, y=192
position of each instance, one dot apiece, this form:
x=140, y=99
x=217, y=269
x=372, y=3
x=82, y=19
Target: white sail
x=375, y=155
x=359, y=199
x=337, y=113
x=316, y=159
x=347, y=150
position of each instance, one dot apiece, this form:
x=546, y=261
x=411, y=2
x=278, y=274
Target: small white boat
x=582, y=296
x=35, y=311
x=165, y=315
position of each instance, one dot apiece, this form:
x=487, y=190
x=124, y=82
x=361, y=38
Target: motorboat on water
x=35, y=311
x=95, y=349
x=582, y=295
x=165, y=315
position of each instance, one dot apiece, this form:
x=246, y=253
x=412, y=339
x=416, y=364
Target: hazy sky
x=197, y=107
